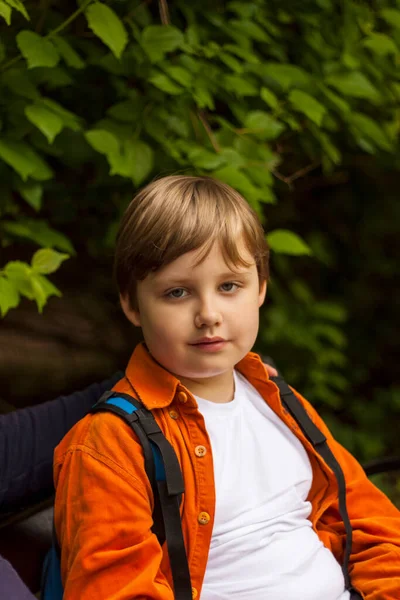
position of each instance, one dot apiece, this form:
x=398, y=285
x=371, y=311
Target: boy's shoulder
x=99, y=433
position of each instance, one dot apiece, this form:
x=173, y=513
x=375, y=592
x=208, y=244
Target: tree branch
x=164, y=12
x=209, y=131
x=289, y=179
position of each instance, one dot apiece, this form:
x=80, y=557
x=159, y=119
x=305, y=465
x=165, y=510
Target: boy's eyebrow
x=179, y=279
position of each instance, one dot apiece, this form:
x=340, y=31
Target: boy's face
x=182, y=303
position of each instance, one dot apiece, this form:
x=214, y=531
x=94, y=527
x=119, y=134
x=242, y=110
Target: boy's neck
x=219, y=389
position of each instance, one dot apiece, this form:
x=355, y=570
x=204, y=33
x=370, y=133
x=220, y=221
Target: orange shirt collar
x=156, y=387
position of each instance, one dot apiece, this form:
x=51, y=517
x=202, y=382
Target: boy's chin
x=205, y=373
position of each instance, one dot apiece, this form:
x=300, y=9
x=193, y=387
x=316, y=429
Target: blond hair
x=176, y=214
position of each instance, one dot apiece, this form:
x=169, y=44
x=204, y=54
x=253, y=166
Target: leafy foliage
x=20, y=279
x=98, y=98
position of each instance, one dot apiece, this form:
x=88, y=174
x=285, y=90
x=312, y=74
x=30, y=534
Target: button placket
x=200, y=451
x=203, y=518
x=182, y=397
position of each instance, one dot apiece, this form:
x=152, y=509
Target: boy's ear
x=262, y=293
x=131, y=314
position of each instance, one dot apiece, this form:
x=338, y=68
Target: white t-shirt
x=263, y=546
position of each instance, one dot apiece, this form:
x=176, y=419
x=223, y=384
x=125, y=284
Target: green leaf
x=261, y=176
x=69, y=119
x=192, y=34
x=132, y=158
x=140, y=158
x=125, y=111
x=233, y=157
x=29, y=283
x=330, y=333
x=370, y=128
x=335, y=100
x=391, y=16
x=329, y=148
x=103, y=141
x=180, y=75
x=157, y=40
x=204, y=159
x=106, y=24
x=47, y=286
x=40, y=169
x=286, y=75
x=381, y=44
x=283, y=241
x=269, y=98
x=54, y=78
x=24, y=160
x=32, y=194
x=5, y=12
x=240, y=86
x=9, y=296
x=38, y=51
x=39, y=232
x=165, y=84
x=47, y=260
x=263, y=125
x=16, y=268
x=19, y=274
x=331, y=311
x=309, y=106
x=19, y=82
x=44, y=119
x=238, y=180
x=203, y=97
x=250, y=29
x=38, y=291
x=354, y=84
x=231, y=62
x=135, y=160
x=350, y=61
x=19, y=6
x=247, y=55
x=67, y=52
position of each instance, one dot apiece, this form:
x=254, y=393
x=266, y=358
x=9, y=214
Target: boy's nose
x=207, y=317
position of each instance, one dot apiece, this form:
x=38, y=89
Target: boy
x=260, y=512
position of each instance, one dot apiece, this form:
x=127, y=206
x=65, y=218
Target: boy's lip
x=208, y=340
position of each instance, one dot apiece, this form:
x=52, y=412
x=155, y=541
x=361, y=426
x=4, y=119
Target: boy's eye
x=228, y=286
x=176, y=293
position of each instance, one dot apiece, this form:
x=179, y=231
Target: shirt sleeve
x=374, y=566
x=103, y=517
x=27, y=441
x=11, y=584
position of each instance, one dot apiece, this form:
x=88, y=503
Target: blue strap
x=130, y=408
x=122, y=403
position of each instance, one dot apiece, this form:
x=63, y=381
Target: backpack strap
x=164, y=473
x=318, y=440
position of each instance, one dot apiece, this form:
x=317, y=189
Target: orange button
x=194, y=593
x=182, y=397
x=200, y=451
x=203, y=518
x=173, y=414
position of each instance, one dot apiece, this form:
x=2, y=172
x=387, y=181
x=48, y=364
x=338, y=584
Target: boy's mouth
x=207, y=340
x=209, y=344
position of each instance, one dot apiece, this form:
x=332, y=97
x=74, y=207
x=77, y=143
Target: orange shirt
x=104, y=501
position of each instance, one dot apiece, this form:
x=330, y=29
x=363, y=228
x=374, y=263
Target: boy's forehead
x=186, y=265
